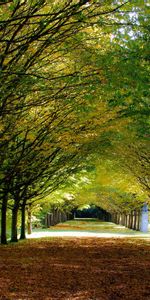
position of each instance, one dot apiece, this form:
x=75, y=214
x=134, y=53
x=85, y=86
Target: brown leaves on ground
x=83, y=269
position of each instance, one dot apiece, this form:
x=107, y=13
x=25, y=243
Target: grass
x=93, y=225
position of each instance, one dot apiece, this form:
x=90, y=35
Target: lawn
x=93, y=226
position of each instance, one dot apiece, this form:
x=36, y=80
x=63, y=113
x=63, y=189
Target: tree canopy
x=74, y=89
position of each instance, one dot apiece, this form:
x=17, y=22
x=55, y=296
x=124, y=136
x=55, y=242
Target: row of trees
x=60, y=95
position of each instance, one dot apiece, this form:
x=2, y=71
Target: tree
x=54, y=103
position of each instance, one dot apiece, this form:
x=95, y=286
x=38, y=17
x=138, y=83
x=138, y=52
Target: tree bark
x=135, y=219
x=23, y=211
x=128, y=220
x=125, y=221
x=138, y=220
x=129, y=225
x=14, y=225
x=3, y=220
x=29, y=223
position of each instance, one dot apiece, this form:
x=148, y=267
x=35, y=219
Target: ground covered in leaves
x=75, y=268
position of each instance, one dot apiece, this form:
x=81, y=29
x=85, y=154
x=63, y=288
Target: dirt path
x=75, y=269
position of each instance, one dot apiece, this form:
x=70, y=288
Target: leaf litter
x=75, y=269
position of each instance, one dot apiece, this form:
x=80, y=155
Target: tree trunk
x=144, y=218
x=135, y=219
x=23, y=211
x=125, y=220
x=132, y=219
x=29, y=223
x=117, y=222
x=14, y=225
x=3, y=221
x=129, y=220
x=138, y=220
